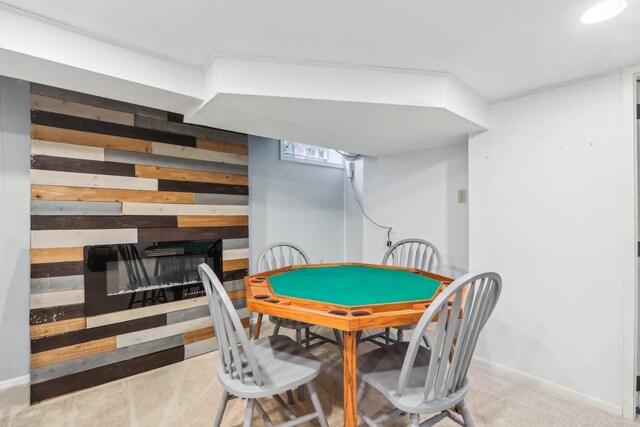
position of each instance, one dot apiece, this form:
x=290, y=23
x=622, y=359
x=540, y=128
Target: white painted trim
x=13, y=382
x=563, y=391
x=630, y=238
x=553, y=86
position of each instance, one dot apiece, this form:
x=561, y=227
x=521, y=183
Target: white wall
x=417, y=194
x=14, y=228
x=294, y=202
x=546, y=212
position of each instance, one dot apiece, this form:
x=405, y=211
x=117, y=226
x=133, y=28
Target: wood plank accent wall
x=104, y=171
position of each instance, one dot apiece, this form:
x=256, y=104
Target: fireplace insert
x=131, y=275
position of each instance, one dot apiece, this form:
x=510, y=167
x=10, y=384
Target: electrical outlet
x=462, y=196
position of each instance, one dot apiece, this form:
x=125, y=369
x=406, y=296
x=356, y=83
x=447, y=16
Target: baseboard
x=12, y=382
x=563, y=391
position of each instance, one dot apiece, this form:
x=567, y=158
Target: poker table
x=349, y=297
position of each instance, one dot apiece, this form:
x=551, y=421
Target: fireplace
x=132, y=275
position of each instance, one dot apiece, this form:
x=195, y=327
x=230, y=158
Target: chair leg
x=299, y=336
x=221, y=408
x=256, y=332
x=299, y=341
x=400, y=335
x=306, y=337
x=290, y=399
x=426, y=341
x=263, y=414
x=338, y=340
x=360, y=395
x=316, y=404
x=387, y=335
x=415, y=420
x=466, y=414
x=248, y=413
x=277, y=328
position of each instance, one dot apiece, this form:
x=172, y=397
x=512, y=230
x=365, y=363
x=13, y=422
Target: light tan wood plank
x=72, y=151
x=206, y=333
x=225, y=147
x=47, y=255
x=53, y=299
x=74, y=238
x=73, y=179
x=85, y=194
x=72, y=352
x=91, y=139
x=197, y=154
x=231, y=254
x=55, y=328
x=198, y=335
x=146, y=335
x=133, y=208
x=61, y=106
x=138, y=313
x=213, y=221
x=236, y=264
x=160, y=172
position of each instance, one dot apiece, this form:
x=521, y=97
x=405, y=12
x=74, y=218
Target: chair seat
x=381, y=368
x=284, y=365
x=289, y=324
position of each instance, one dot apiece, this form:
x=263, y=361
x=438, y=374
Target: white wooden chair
x=419, y=380
x=260, y=368
x=412, y=253
x=279, y=255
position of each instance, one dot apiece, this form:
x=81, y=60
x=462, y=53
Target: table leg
x=256, y=333
x=350, y=379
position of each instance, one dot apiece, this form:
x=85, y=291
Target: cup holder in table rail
x=339, y=312
x=361, y=312
x=279, y=301
x=420, y=307
x=259, y=281
x=261, y=296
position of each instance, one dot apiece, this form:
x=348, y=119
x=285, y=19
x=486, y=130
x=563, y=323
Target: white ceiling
x=500, y=48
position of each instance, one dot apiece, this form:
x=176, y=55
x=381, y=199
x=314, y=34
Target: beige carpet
x=187, y=394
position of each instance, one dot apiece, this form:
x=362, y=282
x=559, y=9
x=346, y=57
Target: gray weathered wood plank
x=54, y=284
x=235, y=243
x=96, y=101
x=78, y=365
x=172, y=162
x=221, y=199
x=192, y=130
x=54, y=207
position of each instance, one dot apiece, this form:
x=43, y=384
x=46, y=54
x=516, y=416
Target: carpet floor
x=187, y=394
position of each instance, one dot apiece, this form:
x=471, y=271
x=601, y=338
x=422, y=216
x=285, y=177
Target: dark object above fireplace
x=132, y=275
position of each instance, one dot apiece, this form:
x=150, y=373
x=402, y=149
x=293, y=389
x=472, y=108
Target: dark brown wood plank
x=64, y=164
x=92, y=222
x=202, y=187
x=39, y=316
x=190, y=129
x=97, y=101
x=45, y=118
x=86, y=335
x=56, y=269
x=228, y=276
x=168, y=234
x=104, y=374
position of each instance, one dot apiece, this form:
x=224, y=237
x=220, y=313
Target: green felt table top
x=354, y=285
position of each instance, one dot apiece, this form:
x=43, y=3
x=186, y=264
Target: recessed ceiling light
x=603, y=11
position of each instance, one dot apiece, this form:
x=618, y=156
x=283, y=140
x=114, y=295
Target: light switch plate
x=462, y=196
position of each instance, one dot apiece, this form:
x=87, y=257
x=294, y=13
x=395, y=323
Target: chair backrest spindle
x=414, y=253
x=232, y=340
x=279, y=255
x=461, y=311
